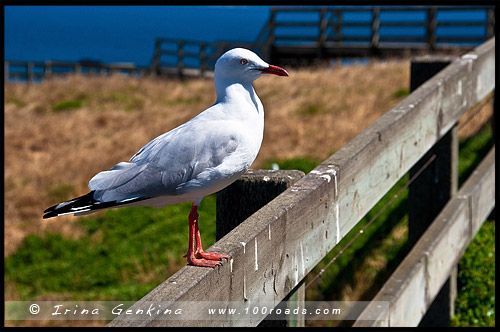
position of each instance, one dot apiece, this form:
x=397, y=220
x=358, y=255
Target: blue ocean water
x=111, y=34
x=120, y=33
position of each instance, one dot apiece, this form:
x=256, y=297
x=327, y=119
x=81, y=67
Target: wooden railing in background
x=330, y=24
x=188, y=57
x=279, y=244
x=36, y=71
x=286, y=40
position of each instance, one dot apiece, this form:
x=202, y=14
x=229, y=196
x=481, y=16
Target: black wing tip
x=50, y=212
x=53, y=211
x=87, y=199
x=49, y=215
x=52, y=208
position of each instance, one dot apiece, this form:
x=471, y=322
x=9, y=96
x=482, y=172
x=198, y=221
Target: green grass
x=302, y=164
x=311, y=109
x=60, y=192
x=127, y=99
x=67, y=105
x=15, y=101
x=472, y=150
x=403, y=92
x=126, y=252
x=475, y=302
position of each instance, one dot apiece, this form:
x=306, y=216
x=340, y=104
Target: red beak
x=274, y=70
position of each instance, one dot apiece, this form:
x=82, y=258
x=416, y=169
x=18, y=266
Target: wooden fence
x=331, y=32
x=278, y=243
x=35, y=71
x=182, y=58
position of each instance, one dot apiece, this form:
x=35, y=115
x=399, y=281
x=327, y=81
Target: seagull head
x=242, y=65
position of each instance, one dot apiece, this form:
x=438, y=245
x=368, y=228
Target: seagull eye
x=243, y=61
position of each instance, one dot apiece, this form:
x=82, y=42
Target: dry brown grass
x=51, y=154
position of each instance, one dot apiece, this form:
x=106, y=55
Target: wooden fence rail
x=274, y=249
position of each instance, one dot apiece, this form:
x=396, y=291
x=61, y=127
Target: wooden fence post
x=323, y=24
x=431, y=28
x=490, y=26
x=338, y=27
x=375, y=30
x=30, y=77
x=203, y=59
x=180, y=58
x=432, y=189
x=243, y=198
x=48, y=69
x=6, y=66
x=271, y=36
x=156, y=67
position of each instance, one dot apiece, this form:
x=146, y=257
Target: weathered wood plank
x=439, y=250
x=480, y=191
x=445, y=244
x=277, y=246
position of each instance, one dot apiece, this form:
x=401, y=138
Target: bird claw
x=203, y=262
x=206, y=259
x=213, y=256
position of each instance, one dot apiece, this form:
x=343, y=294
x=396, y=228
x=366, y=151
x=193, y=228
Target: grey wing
x=162, y=166
x=190, y=154
x=126, y=181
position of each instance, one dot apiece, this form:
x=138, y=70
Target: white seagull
x=198, y=158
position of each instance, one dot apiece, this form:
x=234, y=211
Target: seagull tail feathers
x=84, y=205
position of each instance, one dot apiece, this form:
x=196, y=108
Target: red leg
x=200, y=253
x=195, y=255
